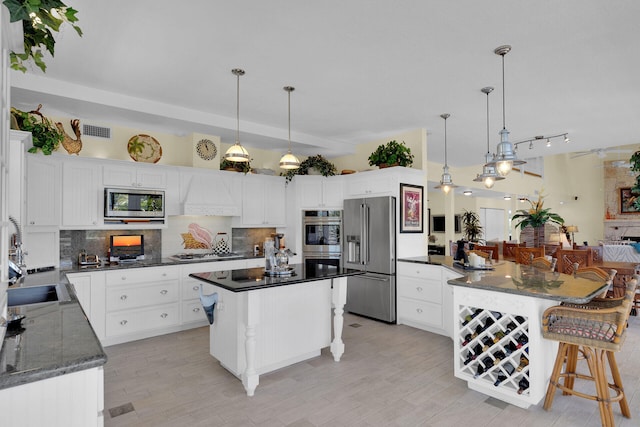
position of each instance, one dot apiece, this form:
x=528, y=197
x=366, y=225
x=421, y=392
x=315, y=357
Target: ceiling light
x=507, y=197
x=237, y=153
x=289, y=161
x=446, y=183
x=548, y=142
x=467, y=192
x=505, y=158
x=489, y=175
x=566, y=138
x=522, y=199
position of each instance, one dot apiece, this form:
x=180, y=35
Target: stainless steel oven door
x=321, y=234
x=319, y=262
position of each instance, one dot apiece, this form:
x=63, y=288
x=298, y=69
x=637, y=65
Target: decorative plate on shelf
x=144, y=148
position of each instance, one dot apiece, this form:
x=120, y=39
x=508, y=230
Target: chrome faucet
x=16, y=251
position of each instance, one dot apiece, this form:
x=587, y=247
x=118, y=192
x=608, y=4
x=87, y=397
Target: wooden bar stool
x=595, y=330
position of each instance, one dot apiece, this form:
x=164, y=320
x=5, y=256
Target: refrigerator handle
x=365, y=234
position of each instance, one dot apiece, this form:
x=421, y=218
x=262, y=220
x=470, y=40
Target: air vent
x=98, y=131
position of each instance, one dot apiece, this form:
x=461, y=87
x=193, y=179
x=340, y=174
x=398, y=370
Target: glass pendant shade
x=446, y=183
x=289, y=161
x=237, y=153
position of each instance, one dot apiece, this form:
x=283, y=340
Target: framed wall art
x=411, y=208
x=627, y=201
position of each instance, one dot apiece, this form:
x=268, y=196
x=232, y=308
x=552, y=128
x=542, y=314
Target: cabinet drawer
x=424, y=290
x=192, y=311
x=191, y=289
x=422, y=271
x=124, y=297
x=131, y=321
x=420, y=311
x=255, y=262
x=138, y=275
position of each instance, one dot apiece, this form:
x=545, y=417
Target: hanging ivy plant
x=39, y=18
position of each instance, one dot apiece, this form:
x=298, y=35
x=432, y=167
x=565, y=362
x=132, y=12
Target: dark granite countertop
x=55, y=338
x=519, y=279
x=253, y=278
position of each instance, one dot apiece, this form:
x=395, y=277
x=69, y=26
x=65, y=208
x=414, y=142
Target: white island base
x=260, y=331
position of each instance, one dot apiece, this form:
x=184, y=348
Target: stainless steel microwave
x=133, y=203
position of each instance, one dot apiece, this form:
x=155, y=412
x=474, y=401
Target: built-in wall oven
x=321, y=234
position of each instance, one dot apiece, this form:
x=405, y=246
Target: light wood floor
x=390, y=375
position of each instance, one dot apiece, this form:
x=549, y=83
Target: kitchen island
x=497, y=314
x=266, y=323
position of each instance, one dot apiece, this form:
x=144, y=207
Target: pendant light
x=446, y=183
x=237, y=153
x=505, y=158
x=489, y=175
x=289, y=161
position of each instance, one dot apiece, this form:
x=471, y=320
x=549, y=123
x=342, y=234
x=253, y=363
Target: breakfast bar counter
x=261, y=324
x=497, y=314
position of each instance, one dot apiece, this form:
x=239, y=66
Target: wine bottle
x=510, y=347
x=467, y=319
x=522, y=339
x=498, y=355
x=511, y=326
x=477, y=331
x=519, y=319
x=483, y=367
x=523, y=363
x=501, y=377
x=498, y=336
x=467, y=339
x=523, y=384
x=470, y=358
x=496, y=314
x=487, y=342
x=487, y=323
x=508, y=368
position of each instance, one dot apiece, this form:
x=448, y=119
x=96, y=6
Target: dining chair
x=541, y=262
x=568, y=257
x=508, y=250
x=597, y=274
x=524, y=255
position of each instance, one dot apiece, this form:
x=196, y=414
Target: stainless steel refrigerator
x=369, y=240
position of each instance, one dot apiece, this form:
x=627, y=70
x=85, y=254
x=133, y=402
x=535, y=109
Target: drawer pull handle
x=123, y=297
x=164, y=274
x=123, y=278
x=197, y=309
x=123, y=322
x=195, y=288
x=163, y=292
x=164, y=315
x=419, y=288
x=419, y=310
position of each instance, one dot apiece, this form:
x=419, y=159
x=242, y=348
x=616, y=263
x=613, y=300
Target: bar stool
x=595, y=330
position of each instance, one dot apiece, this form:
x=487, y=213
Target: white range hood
x=210, y=194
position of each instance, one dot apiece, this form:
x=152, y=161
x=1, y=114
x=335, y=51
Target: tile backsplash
x=96, y=242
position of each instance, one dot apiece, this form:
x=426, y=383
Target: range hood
x=210, y=195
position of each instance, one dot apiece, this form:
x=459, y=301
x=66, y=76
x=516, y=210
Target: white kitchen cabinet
x=425, y=299
x=263, y=201
x=192, y=311
x=81, y=194
x=141, y=302
x=82, y=284
x=134, y=175
x=319, y=192
x=43, y=190
x=368, y=184
x=42, y=246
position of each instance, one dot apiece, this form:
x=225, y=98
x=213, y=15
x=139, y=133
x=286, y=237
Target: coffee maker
x=278, y=240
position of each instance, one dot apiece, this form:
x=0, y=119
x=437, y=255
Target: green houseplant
x=244, y=167
x=45, y=135
x=39, y=18
x=471, y=226
x=536, y=217
x=324, y=166
x=390, y=154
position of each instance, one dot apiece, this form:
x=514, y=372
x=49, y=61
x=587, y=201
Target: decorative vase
x=314, y=171
x=388, y=165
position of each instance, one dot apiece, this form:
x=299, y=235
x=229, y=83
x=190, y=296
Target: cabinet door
x=82, y=285
x=309, y=190
x=274, y=208
x=43, y=191
x=332, y=192
x=148, y=177
x=253, y=201
x=42, y=245
x=80, y=194
x=119, y=176
x=369, y=184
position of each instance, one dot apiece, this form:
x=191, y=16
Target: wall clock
x=206, y=149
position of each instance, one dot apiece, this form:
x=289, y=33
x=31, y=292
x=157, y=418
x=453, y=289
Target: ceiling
x=363, y=70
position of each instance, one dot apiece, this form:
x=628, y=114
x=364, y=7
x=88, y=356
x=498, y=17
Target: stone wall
x=618, y=225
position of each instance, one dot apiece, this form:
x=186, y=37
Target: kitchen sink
x=37, y=294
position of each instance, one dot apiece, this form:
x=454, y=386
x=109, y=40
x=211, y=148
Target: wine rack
x=494, y=348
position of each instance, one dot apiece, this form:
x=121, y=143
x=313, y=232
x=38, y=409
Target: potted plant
x=39, y=19
x=322, y=165
x=227, y=165
x=536, y=217
x=45, y=135
x=392, y=153
x=471, y=226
